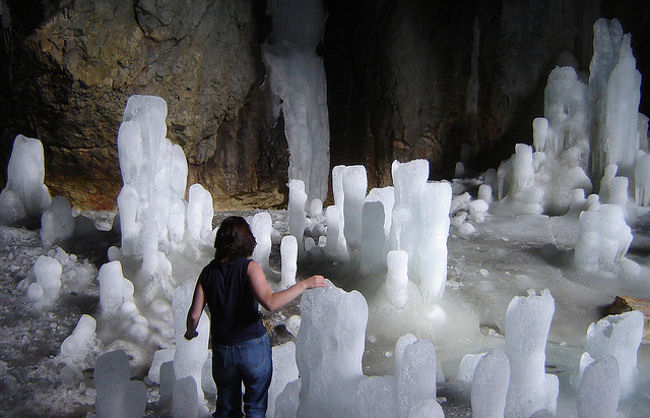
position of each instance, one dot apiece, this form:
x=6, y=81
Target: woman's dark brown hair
x=234, y=239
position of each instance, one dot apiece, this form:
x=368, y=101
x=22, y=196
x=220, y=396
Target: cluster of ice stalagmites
x=585, y=129
x=331, y=382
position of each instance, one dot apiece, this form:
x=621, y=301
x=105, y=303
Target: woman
x=232, y=285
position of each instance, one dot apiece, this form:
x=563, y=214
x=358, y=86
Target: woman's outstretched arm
x=194, y=313
x=273, y=301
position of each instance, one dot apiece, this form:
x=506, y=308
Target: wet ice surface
x=505, y=258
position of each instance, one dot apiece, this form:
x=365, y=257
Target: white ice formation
x=25, y=195
x=261, y=227
x=585, y=129
x=285, y=370
x=528, y=321
x=490, y=382
x=289, y=259
x=117, y=395
x=297, y=77
x=598, y=393
x=618, y=336
x=79, y=344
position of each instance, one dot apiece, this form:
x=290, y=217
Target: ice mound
x=184, y=397
x=25, y=195
x=159, y=357
x=79, y=344
x=296, y=209
x=355, y=185
x=618, y=336
x=528, y=321
x=45, y=291
x=117, y=395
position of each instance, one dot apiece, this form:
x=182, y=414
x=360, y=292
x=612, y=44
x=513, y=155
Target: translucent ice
x=184, y=398
x=117, y=396
x=490, y=385
x=25, y=195
x=297, y=213
x=377, y=397
x=199, y=213
x=373, y=237
x=385, y=195
x=159, y=357
x=598, y=393
x=285, y=370
x=604, y=238
x=57, y=222
x=48, y=275
x=431, y=264
x=114, y=288
x=297, y=77
x=355, y=185
x=642, y=179
x=528, y=320
x=618, y=336
x=261, y=227
x=335, y=246
x=329, y=350
x=416, y=375
x=190, y=355
x=79, y=344
x=289, y=259
x=397, y=278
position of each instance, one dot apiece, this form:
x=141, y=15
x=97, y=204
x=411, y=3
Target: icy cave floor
x=506, y=257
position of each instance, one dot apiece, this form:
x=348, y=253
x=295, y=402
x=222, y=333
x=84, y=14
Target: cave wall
x=68, y=69
x=442, y=80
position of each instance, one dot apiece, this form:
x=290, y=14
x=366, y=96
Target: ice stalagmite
x=289, y=259
x=261, y=228
x=528, y=321
x=329, y=350
x=618, y=336
x=25, y=195
x=297, y=78
x=355, y=185
x=117, y=395
x=190, y=355
x=431, y=259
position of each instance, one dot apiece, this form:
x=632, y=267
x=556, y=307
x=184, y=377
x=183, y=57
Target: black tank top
x=234, y=314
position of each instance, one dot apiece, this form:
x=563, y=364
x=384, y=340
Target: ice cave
x=516, y=285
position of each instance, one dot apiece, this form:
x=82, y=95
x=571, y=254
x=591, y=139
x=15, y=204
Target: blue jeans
x=249, y=362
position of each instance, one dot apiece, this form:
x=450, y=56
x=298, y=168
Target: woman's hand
x=189, y=335
x=314, y=281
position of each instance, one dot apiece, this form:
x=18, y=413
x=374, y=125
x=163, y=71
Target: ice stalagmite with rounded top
x=408, y=179
x=431, y=259
x=355, y=185
x=297, y=213
x=190, y=355
x=261, y=227
x=289, y=259
x=25, y=195
x=528, y=321
x=335, y=247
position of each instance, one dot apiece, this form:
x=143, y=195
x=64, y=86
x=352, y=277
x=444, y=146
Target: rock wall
x=71, y=68
x=443, y=80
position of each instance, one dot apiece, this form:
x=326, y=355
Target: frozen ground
x=506, y=257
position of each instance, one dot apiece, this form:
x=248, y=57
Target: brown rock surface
x=630, y=303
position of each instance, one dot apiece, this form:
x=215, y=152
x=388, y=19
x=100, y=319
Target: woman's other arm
x=195, y=311
x=273, y=301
